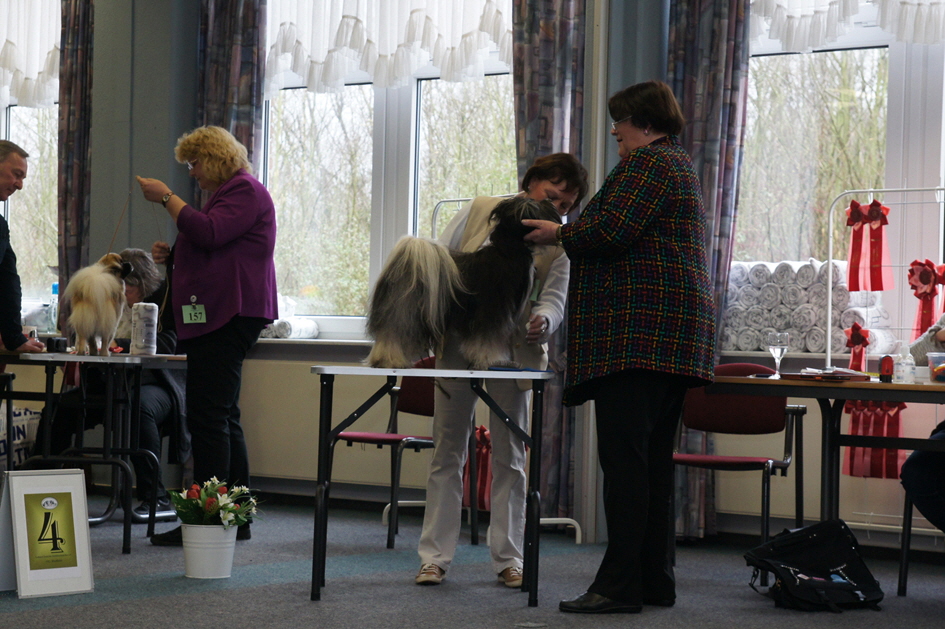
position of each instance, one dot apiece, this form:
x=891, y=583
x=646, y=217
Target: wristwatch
x=166, y=198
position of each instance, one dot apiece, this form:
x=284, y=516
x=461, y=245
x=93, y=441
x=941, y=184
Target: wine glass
x=778, y=346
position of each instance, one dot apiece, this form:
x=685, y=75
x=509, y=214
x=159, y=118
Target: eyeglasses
x=191, y=164
x=613, y=125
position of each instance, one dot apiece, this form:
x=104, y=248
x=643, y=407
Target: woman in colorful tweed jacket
x=641, y=332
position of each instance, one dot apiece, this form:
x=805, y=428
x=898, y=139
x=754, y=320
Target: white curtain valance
x=801, y=25
x=29, y=52
x=325, y=42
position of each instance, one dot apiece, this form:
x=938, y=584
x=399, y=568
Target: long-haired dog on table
x=93, y=302
x=426, y=291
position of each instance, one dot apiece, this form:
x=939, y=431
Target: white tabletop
x=155, y=360
x=495, y=374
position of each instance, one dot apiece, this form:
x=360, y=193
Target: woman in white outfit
x=562, y=180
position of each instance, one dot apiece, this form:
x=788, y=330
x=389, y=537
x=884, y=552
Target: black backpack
x=816, y=568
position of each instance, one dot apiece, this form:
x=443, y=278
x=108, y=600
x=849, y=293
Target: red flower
x=211, y=503
x=222, y=490
x=193, y=492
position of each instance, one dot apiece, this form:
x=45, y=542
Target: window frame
x=394, y=185
x=914, y=151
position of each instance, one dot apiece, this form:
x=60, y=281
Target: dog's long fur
x=426, y=291
x=94, y=300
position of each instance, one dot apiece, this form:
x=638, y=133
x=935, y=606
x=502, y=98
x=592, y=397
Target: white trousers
x=452, y=427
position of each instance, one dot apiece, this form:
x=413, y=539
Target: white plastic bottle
x=905, y=367
x=53, y=311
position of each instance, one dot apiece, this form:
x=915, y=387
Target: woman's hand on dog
x=537, y=329
x=544, y=232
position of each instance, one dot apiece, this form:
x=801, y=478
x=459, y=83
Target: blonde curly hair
x=220, y=154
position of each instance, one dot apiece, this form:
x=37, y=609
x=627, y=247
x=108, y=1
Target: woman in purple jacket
x=223, y=292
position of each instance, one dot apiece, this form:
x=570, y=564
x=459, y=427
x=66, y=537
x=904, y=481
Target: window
x=815, y=126
x=867, y=113
x=319, y=174
x=353, y=171
x=33, y=211
x=466, y=145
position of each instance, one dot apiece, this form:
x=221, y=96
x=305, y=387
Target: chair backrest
x=416, y=392
x=734, y=414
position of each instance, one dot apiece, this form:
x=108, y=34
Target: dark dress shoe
x=590, y=603
x=243, y=533
x=174, y=537
x=660, y=602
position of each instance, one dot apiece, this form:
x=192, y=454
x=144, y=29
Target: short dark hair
x=7, y=147
x=556, y=168
x=650, y=104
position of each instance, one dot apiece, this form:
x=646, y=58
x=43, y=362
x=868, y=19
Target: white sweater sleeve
x=551, y=299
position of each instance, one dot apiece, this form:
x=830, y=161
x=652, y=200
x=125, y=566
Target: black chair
x=905, y=547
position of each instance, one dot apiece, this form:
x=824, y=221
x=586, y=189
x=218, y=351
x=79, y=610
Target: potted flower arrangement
x=209, y=518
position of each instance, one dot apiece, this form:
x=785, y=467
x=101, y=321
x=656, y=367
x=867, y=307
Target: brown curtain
x=548, y=71
x=232, y=63
x=75, y=116
x=708, y=70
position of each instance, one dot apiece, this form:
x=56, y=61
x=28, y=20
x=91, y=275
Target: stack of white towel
x=792, y=297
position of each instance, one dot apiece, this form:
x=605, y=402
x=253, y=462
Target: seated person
x=162, y=390
x=923, y=473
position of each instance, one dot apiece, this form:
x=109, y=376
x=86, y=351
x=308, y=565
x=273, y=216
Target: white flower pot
x=208, y=551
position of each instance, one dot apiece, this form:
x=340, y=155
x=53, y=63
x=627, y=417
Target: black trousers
x=923, y=477
x=214, y=376
x=638, y=412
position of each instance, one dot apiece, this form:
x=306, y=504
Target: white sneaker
x=430, y=574
x=511, y=577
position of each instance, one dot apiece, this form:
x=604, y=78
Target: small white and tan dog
x=94, y=300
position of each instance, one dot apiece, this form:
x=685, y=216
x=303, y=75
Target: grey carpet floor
x=371, y=586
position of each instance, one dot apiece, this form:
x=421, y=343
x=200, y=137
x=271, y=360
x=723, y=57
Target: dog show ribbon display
x=924, y=279
x=876, y=419
x=868, y=257
x=857, y=341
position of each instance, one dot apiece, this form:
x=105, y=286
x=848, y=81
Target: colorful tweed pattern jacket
x=640, y=295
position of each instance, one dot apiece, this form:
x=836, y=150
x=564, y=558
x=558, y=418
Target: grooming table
x=327, y=434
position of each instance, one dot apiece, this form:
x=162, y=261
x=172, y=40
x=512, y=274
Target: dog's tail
x=410, y=302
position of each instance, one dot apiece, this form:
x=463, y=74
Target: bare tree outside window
x=466, y=145
x=319, y=174
x=33, y=211
x=815, y=126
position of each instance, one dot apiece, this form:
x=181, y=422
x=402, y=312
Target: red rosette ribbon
x=875, y=419
x=868, y=246
x=857, y=341
x=924, y=279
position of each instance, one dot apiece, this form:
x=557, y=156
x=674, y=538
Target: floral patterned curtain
x=548, y=71
x=708, y=71
x=231, y=66
x=75, y=116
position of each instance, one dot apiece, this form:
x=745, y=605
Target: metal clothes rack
x=939, y=198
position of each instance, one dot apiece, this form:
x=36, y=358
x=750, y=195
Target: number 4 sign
x=44, y=533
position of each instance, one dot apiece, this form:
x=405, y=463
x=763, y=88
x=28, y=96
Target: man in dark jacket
x=13, y=169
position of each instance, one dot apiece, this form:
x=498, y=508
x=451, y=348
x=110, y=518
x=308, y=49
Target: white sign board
x=44, y=533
